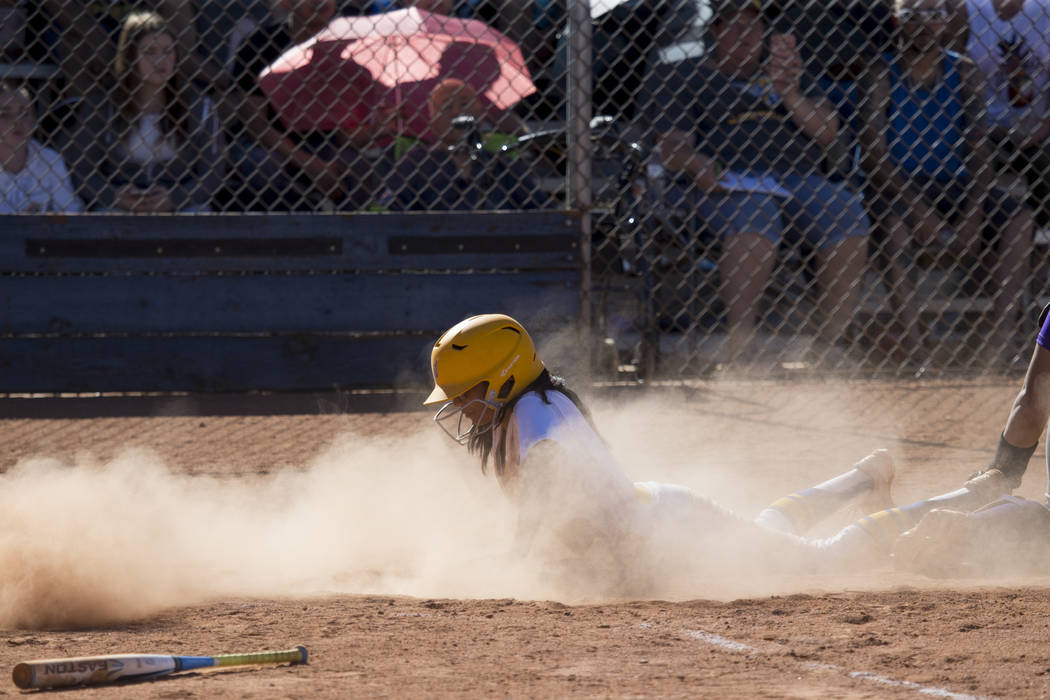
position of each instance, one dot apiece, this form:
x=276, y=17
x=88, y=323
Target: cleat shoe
x=936, y=546
x=878, y=466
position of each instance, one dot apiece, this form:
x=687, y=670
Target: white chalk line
x=741, y=648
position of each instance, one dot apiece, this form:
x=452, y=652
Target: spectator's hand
x=784, y=65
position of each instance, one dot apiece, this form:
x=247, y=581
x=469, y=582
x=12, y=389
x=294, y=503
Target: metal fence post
x=579, y=89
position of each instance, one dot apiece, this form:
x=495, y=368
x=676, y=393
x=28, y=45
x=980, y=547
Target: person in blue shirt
x=927, y=156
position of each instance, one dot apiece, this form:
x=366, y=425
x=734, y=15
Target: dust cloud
x=88, y=542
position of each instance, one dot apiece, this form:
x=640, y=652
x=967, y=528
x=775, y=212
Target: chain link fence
x=832, y=185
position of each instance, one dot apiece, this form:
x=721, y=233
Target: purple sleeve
x=1043, y=339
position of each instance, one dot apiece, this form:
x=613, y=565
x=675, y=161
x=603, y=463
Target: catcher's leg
x=1011, y=535
x=868, y=483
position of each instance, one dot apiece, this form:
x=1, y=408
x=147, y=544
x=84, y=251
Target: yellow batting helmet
x=491, y=348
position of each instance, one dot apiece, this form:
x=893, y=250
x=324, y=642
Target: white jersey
x=534, y=421
x=43, y=185
x=1014, y=57
x=598, y=475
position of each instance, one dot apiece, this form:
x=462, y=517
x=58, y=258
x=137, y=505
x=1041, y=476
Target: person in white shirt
x=32, y=178
x=1009, y=40
x=579, y=511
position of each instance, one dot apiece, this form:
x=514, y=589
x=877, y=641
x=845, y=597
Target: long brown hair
x=482, y=444
x=176, y=113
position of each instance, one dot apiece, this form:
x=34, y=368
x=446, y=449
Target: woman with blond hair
x=151, y=144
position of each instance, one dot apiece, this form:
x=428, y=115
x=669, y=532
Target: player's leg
x=870, y=541
x=867, y=483
x=693, y=538
x=697, y=530
x=872, y=538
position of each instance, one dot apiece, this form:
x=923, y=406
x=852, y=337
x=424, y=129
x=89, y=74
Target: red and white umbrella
x=358, y=65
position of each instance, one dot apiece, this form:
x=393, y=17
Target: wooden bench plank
x=307, y=362
x=222, y=363
x=147, y=304
x=180, y=244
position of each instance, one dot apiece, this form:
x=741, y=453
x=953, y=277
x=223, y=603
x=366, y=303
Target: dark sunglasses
x=931, y=14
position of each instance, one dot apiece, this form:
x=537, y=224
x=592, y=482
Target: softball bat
x=54, y=673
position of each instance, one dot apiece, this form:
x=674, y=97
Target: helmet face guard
x=460, y=427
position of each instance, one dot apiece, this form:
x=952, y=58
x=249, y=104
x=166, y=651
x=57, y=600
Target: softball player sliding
x=576, y=504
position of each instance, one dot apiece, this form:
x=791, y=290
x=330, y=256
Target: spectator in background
x=746, y=139
x=927, y=155
x=32, y=178
x=279, y=168
x=451, y=175
x=89, y=33
x=1009, y=41
x=151, y=145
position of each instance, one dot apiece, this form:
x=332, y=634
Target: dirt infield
x=359, y=536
